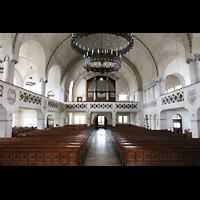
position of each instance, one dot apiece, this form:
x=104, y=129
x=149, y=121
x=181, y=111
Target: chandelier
x=30, y=82
x=102, y=52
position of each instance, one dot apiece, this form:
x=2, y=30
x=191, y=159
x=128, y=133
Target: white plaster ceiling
x=151, y=54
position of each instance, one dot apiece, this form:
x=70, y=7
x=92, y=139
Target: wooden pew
x=16, y=131
x=151, y=156
x=37, y=155
x=130, y=142
x=65, y=146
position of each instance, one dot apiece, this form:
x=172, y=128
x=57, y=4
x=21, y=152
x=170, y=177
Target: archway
x=31, y=64
x=100, y=121
x=173, y=82
x=50, y=121
x=177, y=123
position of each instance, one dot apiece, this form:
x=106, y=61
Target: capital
x=7, y=58
x=159, y=79
x=44, y=80
x=196, y=57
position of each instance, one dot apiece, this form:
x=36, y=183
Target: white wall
x=78, y=115
x=53, y=83
x=81, y=90
x=25, y=118
x=182, y=68
x=134, y=119
x=120, y=87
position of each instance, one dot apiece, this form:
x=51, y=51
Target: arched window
x=123, y=96
x=51, y=95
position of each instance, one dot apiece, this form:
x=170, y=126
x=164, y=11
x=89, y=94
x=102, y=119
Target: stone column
x=107, y=89
x=194, y=66
x=6, y=118
x=40, y=119
x=140, y=108
x=113, y=118
x=43, y=83
x=95, y=88
x=88, y=118
x=160, y=86
x=8, y=125
x=9, y=69
x=197, y=64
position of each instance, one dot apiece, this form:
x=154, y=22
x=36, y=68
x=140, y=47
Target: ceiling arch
x=149, y=52
x=76, y=71
x=87, y=76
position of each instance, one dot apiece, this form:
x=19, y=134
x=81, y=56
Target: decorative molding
x=126, y=106
x=150, y=104
x=192, y=96
x=30, y=98
x=53, y=104
x=173, y=98
x=102, y=106
x=11, y=96
x=76, y=106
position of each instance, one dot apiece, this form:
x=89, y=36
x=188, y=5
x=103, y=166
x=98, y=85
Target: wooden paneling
x=63, y=146
x=141, y=147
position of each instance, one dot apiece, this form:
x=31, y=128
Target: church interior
x=114, y=99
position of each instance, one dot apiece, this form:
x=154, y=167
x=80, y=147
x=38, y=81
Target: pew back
x=63, y=146
x=136, y=146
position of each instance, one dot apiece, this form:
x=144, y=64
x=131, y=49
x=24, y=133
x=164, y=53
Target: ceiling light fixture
x=102, y=52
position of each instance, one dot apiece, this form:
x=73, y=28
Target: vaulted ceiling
x=151, y=54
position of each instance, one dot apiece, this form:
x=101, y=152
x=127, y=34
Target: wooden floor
x=101, y=151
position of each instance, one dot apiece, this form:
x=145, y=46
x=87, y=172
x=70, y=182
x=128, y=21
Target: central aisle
x=101, y=152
